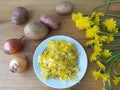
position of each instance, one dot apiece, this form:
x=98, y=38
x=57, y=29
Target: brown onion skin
x=12, y=46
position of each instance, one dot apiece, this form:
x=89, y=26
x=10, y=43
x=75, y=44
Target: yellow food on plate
x=59, y=60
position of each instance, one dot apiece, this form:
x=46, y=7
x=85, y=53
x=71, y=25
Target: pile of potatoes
x=39, y=29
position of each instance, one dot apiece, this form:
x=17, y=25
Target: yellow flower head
x=106, y=53
x=100, y=14
x=75, y=16
x=100, y=65
x=83, y=23
x=110, y=24
x=105, y=77
x=92, y=32
x=102, y=38
x=97, y=49
x=116, y=80
x=93, y=56
x=95, y=17
x=110, y=38
x=96, y=74
x=90, y=42
x=115, y=31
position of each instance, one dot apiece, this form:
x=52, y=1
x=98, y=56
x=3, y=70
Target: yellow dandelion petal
x=76, y=16
x=100, y=14
x=92, y=32
x=102, y=38
x=95, y=17
x=106, y=53
x=93, y=56
x=92, y=15
x=100, y=65
x=105, y=77
x=115, y=30
x=116, y=80
x=97, y=20
x=110, y=24
x=96, y=75
x=83, y=23
x=97, y=41
x=97, y=49
x=110, y=38
x=90, y=42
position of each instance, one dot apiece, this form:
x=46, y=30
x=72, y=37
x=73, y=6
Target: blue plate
x=56, y=83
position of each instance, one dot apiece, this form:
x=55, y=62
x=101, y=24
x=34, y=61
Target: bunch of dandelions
x=99, y=32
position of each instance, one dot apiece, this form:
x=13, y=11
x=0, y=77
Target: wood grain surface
x=28, y=79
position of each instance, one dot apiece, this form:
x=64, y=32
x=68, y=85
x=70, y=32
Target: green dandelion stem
x=112, y=57
x=107, y=6
x=115, y=41
x=118, y=34
x=117, y=1
x=104, y=33
x=110, y=67
x=114, y=48
x=115, y=70
x=113, y=15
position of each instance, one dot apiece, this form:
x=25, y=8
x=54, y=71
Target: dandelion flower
x=115, y=30
x=105, y=77
x=83, y=23
x=96, y=74
x=110, y=38
x=95, y=17
x=75, y=16
x=93, y=56
x=116, y=80
x=102, y=38
x=100, y=14
x=106, y=53
x=110, y=24
x=92, y=15
x=97, y=49
x=90, y=42
x=92, y=32
x=100, y=65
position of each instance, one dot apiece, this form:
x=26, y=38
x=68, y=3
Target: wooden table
x=28, y=79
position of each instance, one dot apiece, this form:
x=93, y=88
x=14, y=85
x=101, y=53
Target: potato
x=50, y=21
x=64, y=8
x=35, y=30
x=20, y=15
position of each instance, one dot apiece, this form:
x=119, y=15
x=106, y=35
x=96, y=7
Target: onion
x=13, y=45
x=18, y=64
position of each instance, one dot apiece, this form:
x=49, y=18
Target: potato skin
x=35, y=30
x=50, y=21
x=20, y=15
x=64, y=8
